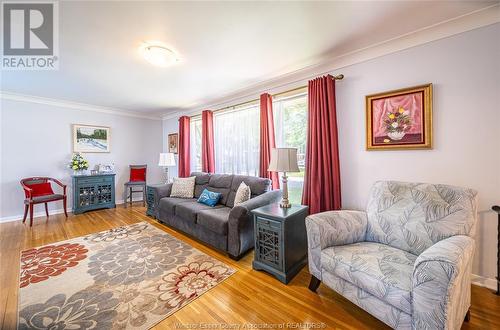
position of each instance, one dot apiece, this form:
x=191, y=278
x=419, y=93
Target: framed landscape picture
x=400, y=119
x=88, y=138
x=173, y=143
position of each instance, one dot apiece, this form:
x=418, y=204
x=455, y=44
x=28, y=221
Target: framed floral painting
x=400, y=119
x=173, y=143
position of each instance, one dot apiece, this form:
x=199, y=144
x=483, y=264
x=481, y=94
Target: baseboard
x=19, y=217
x=486, y=282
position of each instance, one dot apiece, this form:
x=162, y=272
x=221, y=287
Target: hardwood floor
x=248, y=297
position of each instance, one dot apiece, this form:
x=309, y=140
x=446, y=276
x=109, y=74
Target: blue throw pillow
x=209, y=198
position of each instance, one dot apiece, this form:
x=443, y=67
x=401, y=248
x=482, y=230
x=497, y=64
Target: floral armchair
x=406, y=260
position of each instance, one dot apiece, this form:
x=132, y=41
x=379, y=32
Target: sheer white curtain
x=195, y=145
x=237, y=141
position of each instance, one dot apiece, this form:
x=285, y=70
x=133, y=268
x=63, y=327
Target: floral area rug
x=125, y=278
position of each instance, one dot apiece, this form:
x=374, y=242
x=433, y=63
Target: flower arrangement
x=397, y=123
x=78, y=163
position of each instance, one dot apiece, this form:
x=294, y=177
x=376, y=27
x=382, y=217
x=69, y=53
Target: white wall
x=36, y=140
x=465, y=72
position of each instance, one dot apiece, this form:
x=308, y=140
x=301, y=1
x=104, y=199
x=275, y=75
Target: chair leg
x=144, y=195
x=31, y=214
x=125, y=196
x=467, y=316
x=46, y=210
x=26, y=207
x=130, y=196
x=64, y=206
x=314, y=284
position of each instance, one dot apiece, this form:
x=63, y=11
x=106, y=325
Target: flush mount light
x=158, y=54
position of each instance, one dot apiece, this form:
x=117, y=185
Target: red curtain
x=184, y=152
x=207, y=142
x=322, y=177
x=267, y=139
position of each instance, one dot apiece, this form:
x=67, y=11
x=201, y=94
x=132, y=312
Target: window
x=195, y=145
x=290, y=126
x=237, y=140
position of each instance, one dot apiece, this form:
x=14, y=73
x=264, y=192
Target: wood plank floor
x=248, y=297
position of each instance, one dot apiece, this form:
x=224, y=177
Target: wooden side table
x=280, y=240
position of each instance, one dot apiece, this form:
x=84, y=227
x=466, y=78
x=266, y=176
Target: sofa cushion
x=379, y=269
x=221, y=183
x=215, y=219
x=183, y=187
x=201, y=182
x=257, y=185
x=169, y=203
x=189, y=211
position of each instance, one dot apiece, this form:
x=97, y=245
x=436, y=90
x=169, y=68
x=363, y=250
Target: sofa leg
x=235, y=258
x=314, y=284
x=467, y=316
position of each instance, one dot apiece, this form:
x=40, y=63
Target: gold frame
x=108, y=129
x=176, y=137
x=427, y=118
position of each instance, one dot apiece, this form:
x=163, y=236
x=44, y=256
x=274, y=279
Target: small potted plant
x=397, y=123
x=78, y=164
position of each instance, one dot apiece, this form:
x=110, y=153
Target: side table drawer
x=268, y=241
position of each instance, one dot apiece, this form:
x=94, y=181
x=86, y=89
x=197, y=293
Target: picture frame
x=173, y=143
x=399, y=119
x=91, y=139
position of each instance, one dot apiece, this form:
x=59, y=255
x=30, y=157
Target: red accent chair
x=137, y=179
x=37, y=191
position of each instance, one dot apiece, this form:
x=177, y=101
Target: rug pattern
x=129, y=277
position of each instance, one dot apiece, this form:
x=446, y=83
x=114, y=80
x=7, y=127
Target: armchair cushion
x=40, y=189
x=329, y=229
x=441, y=284
x=379, y=269
x=414, y=216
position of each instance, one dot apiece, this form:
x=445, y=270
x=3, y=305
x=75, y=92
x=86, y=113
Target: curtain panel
x=184, y=144
x=267, y=139
x=207, y=142
x=322, y=176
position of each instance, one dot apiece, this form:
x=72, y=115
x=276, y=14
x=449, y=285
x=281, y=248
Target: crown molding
x=73, y=105
x=467, y=22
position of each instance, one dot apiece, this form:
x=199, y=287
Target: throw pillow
x=138, y=174
x=242, y=194
x=183, y=187
x=209, y=198
x=40, y=189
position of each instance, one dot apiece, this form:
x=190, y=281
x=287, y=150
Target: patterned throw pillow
x=209, y=198
x=242, y=194
x=183, y=187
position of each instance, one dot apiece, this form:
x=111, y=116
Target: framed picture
x=173, y=143
x=88, y=138
x=400, y=119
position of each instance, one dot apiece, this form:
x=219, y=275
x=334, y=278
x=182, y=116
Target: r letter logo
x=30, y=36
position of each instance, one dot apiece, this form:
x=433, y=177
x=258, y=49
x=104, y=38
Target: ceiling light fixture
x=158, y=54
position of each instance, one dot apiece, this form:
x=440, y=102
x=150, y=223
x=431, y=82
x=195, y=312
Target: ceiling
x=223, y=46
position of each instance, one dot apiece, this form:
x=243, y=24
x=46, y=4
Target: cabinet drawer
x=272, y=224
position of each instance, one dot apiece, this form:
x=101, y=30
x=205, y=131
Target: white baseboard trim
x=19, y=217
x=486, y=282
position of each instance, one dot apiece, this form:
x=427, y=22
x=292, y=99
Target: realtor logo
x=30, y=38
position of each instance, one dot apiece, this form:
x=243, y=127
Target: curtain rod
x=337, y=77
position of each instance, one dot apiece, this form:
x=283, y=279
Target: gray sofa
x=406, y=260
x=226, y=227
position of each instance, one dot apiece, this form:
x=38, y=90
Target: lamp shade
x=283, y=160
x=166, y=159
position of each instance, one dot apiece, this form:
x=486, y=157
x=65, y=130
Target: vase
x=79, y=172
x=396, y=136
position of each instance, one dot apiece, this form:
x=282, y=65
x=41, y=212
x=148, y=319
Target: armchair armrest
x=441, y=284
x=240, y=226
x=332, y=228
x=59, y=183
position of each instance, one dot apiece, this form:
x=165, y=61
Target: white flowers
x=395, y=124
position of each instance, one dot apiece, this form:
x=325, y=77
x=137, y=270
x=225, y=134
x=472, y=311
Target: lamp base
x=285, y=204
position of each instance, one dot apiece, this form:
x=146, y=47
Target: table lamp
x=284, y=160
x=167, y=159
